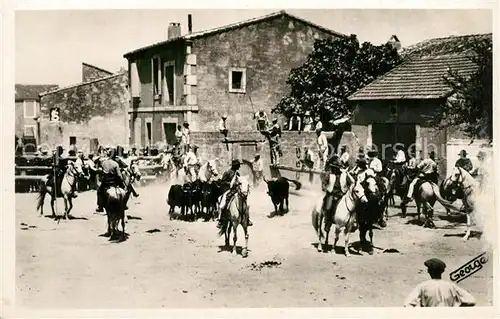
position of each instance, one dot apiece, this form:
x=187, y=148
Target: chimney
x=394, y=41
x=174, y=30
x=190, y=24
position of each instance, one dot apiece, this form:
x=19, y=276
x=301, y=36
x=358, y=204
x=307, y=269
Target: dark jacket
x=464, y=163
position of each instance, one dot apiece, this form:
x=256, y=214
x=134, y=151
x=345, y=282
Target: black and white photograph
x=252, y=158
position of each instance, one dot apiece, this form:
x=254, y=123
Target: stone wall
x=268, y=51
x=211, y=146
x=91, y=73
x=91, y=110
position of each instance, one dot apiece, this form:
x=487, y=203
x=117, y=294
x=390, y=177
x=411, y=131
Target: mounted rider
x=60, y=163
x=334, y=189
x=427, y=172
x=375, y=164
x=229, y=179
x=464, y=162
x=190, y=163
x=125, y=163
x=111, y=177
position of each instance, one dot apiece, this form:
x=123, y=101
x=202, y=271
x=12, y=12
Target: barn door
x=406, y=134
x=383, y=139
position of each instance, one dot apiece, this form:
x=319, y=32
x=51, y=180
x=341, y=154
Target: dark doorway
x=149, y=134
x=386, y=135
x=169, y=133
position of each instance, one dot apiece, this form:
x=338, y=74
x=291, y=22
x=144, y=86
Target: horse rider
x=361, y=159
x=464, y=162
x=190, y=162
x=344, y=157
x=437, y=292
x=111, y=177
x=363, y=171
x=124, y=163
x=308, y=160
x=230, y=178
x=375, y=164
x=322, y=148
x=427, y=171
x=60, y=163
x=274, y=142
x=334, y=190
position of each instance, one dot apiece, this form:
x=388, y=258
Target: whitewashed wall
x=454, y=146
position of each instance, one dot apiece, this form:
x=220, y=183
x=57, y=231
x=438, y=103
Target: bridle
x=353, y=197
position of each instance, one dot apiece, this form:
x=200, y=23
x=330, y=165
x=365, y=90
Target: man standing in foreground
x=437, y=292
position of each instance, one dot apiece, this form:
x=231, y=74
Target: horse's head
x=212, y=168
x=358, y=192
x=75, y=169
x=370, y=185
x=243, y=187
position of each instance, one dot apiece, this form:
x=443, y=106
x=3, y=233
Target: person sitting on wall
x=223, y=126
x=262, y=121
x=295, y=123
x=308, y=122
x=186, y=137
x=319, y=124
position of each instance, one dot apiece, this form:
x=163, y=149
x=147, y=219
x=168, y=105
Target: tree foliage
x=471, y=104
x=332, y=72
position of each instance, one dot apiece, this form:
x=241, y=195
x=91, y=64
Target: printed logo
x=469, y=268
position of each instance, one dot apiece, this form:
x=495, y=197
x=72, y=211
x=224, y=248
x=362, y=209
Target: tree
x=471, y=104
x=332, y=72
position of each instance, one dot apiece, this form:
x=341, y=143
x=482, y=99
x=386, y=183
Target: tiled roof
x=419, y=78
x=58, y=89
x=31, y=92
x=441, y=46
x=97, y=68
x=235, y=26
x=421, y=74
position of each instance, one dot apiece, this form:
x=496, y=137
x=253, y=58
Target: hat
x=307, y=113
x=463, y=152
x=361, y=160
x=432, y=153
x=224, y=116
x=435, y=264
x=235, y=162
x=481, y=154
x=257, y=154
x=186, y=124
x=372, y=152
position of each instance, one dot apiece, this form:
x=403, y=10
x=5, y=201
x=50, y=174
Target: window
x=169, y=74
x=29, y=109
x=149, y=132
x=237, y=80
x=72, y=140
x=169, y=129
x=156, y=77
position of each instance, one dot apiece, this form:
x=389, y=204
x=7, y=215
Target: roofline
x=352, y=97
x=230, y=27
x=407, y=50
x=81, y=84
x=96, y=67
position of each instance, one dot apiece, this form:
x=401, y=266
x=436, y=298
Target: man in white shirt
x=319, y=125
x=262, y=120
x=322, y=149
x=344, y=156
x=437, y=292
x=427, y=170
x=186, y=136
x=307, y=122
x=190, y=161
x=400, y=157
x=258, y=169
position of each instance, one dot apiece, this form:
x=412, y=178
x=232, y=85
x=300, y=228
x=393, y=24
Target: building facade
x=28, y=109
x=89, y=113
x=237, y=69
x=398, y=106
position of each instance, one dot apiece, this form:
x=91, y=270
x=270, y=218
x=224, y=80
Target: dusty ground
x=67, y=264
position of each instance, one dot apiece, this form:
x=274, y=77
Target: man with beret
x=437, y=292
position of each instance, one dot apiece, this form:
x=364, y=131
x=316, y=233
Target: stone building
x=237, y=69
x=95, y=109
x=28, y=109
x=397, y=107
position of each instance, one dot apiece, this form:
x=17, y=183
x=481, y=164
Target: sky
x=51, y=45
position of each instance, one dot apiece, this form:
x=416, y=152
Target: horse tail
x=222, y=230
x=316, y=219
x=298, y=184
x=441, y=200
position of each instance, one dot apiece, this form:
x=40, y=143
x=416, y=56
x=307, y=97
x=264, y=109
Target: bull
x=278, y=190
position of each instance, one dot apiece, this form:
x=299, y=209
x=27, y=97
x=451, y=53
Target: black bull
x=278, y=190
x=195, y=197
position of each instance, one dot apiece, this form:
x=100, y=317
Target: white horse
x=208, y=170
x=470, y=190
x=73, y=172
x=344, y=218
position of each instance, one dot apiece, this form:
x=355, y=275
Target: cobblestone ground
x=67, y=264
